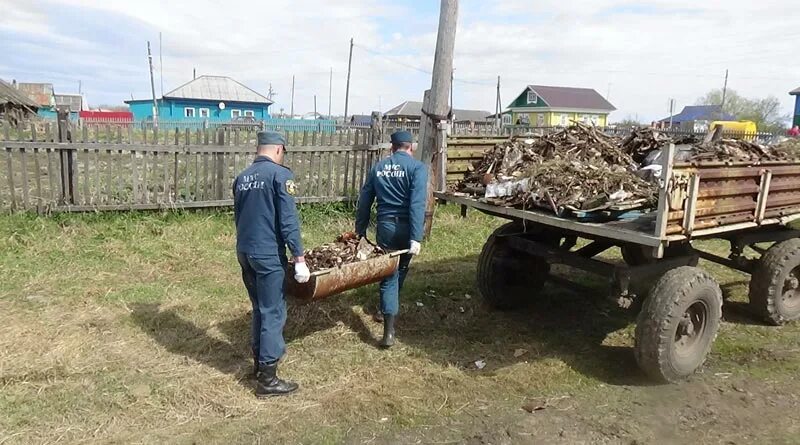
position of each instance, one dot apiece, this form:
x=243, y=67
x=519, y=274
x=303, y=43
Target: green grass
x=121, y=328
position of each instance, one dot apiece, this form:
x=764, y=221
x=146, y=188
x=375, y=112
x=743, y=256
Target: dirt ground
x=134, y=329
x=707, y=410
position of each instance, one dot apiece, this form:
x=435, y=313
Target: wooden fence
x=51, y=169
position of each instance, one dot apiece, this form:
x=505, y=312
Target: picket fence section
x=54, y=170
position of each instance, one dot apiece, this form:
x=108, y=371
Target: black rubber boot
x=255, y=366
x=268, y=384
x=388, y=331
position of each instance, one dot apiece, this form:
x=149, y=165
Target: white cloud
x=643, y=52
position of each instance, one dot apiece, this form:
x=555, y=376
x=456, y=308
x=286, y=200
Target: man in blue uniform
x=399, y=184
x=266, y=222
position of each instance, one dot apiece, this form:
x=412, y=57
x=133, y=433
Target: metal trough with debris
x=328, y=282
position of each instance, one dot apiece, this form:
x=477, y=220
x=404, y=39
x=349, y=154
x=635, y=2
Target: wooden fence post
x=67, y=157
x=219, y=170
x=377, y=128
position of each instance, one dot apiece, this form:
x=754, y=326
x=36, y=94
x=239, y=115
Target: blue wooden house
x=796, y=94
x=213, y=98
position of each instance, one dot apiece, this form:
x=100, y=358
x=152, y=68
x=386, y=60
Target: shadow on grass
x=181, y=336
x=738, y=312
x=232, y=355
x=437, y=320
x=559, y=324
x=447, y=328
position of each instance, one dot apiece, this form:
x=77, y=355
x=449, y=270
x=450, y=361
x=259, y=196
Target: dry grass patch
x=135, y=329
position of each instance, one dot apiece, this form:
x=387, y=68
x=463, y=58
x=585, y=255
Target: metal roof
x=41, y=93
x=414, y=109
x=10, y=95
x=217, y=88
x=795, y=92
x=700, y=113
x=569, y=97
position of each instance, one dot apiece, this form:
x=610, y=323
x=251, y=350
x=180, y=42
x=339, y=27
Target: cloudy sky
x=641, y=53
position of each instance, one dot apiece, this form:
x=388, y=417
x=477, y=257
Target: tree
x=113, y=107
x=765, y=112
x=629, y=122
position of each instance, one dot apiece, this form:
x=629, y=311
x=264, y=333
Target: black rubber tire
x=635, y=254
x=664, y=312
x=508, y=279
x=768, y=286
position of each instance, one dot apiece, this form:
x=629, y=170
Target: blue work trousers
x=393, y=234
x=263, y=277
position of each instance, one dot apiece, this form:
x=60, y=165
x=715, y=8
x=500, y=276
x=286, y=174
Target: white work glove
x=414, y=248
x=301, y=273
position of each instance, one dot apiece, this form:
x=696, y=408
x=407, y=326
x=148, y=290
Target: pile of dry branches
x=347, y=248
x=789, y=148
x=582, y=169
x=577, y=168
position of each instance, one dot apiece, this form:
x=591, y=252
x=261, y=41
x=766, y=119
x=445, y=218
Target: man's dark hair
x=401, y=146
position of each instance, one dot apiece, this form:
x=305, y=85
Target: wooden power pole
x=435, y=107
x=152, y=86
x=292, y=106
x=724, y=96
x=347, y=91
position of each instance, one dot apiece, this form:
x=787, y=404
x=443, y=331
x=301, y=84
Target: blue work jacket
x=265, y=211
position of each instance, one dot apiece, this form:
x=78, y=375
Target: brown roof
x=412, y=108
x=9, y=94
x=795, y=92
x=41, y=93
x=568, y=97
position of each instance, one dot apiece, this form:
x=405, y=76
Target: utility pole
x=271, y=93
x=152, y=87
x=671, y=111
x=292, y=108
x=724, y=95
x=497, y=107
x=347, y=91
x=194, y=73
x=435, y=107
x=161, y=64
x=330, y=94
x=79, y=87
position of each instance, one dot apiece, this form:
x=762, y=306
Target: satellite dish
x=222, y=105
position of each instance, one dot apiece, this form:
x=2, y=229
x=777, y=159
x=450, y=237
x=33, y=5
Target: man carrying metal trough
x=266, y=222
x=399, y=185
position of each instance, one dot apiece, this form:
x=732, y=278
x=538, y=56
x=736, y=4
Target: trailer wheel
x=678, y=324
x=508, y=279
x=775, y=285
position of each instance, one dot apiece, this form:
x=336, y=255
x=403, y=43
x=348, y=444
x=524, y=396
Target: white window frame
x=533, y=98
x=249, y=113
x=236, y=113
x=524, y=119
x=540, y=120
x=201, y=110
x=506, y=119
x=186, y=112
x=564, y=119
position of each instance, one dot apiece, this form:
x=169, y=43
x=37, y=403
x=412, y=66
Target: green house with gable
x=546, y=106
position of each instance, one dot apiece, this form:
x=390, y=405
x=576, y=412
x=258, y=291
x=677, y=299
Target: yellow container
x=741, y=128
